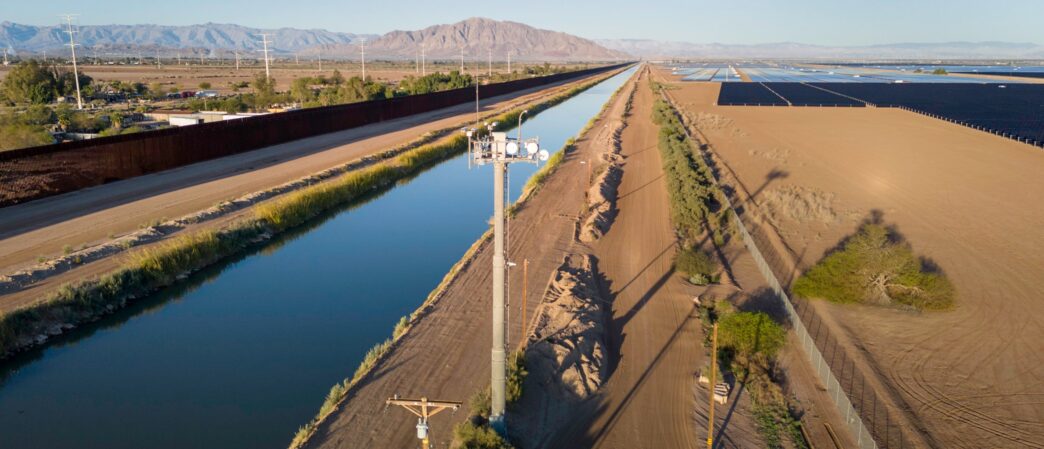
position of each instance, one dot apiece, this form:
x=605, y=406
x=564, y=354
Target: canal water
x=241, y=354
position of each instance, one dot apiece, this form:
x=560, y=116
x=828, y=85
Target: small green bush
x=471, y=436
x=750, y=334
x=516, y=376
x=400, y=327
x=480, y=403
x=697, y=265
x=873, y=266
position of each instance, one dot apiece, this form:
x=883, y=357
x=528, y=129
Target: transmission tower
x=363, y=57
x=72, y=46
x=264, y=42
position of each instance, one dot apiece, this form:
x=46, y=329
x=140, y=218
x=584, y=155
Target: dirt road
x=44, y=227
x=965, y=199
x=654, y=335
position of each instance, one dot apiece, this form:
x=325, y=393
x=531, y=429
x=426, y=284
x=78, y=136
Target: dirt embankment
x=602, y=195
x=567, y=354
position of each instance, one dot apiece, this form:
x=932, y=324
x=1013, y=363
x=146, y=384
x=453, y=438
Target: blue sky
x=829, y=22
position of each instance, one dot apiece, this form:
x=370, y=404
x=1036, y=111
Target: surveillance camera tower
x=498, y=149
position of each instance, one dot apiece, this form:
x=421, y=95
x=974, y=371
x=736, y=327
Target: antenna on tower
x=72, y=46
x=264, y=41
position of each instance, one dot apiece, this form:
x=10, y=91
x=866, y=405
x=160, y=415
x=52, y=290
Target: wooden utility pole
x=525, y=284
x=424, y=409
x=713, y=381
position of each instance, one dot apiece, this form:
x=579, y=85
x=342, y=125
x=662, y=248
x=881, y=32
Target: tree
x=264, y=91
x=65, y=84
x=38, y=115
x=301, y=90
x=116, y=120
x=29, y=83
x=204, y=85
x=939, y=71
x=21, y=136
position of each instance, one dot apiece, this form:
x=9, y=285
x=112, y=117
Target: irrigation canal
x=241, y=354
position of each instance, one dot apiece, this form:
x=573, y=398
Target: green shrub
x=471, y=436
x=480, y=403
x=696, y=265
x=873, y=266
x=690, y=183
x=516, y=376
x=750, y=334
x=400, y=327
x=371, y=358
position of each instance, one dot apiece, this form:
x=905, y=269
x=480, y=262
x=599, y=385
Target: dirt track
x=655, y=333
x=43, y=227
x=966, y=199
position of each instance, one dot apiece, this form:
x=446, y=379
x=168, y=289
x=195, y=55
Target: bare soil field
x=98, y=214
x=969, y=201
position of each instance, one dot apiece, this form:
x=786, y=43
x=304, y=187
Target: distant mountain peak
x=480, y=35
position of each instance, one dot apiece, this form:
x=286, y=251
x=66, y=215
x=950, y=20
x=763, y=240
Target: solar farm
x=1005, y=107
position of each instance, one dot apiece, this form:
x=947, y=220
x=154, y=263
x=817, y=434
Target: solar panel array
x=1015, y=111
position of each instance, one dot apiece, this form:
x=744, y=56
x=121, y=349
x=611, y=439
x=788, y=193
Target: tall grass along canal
x=242, y=353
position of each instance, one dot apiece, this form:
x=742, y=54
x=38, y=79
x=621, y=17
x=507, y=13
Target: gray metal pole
x=499, y=266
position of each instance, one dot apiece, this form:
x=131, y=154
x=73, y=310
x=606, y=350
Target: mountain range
x=653, y=49
x=207, y=38
x=476, y=36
